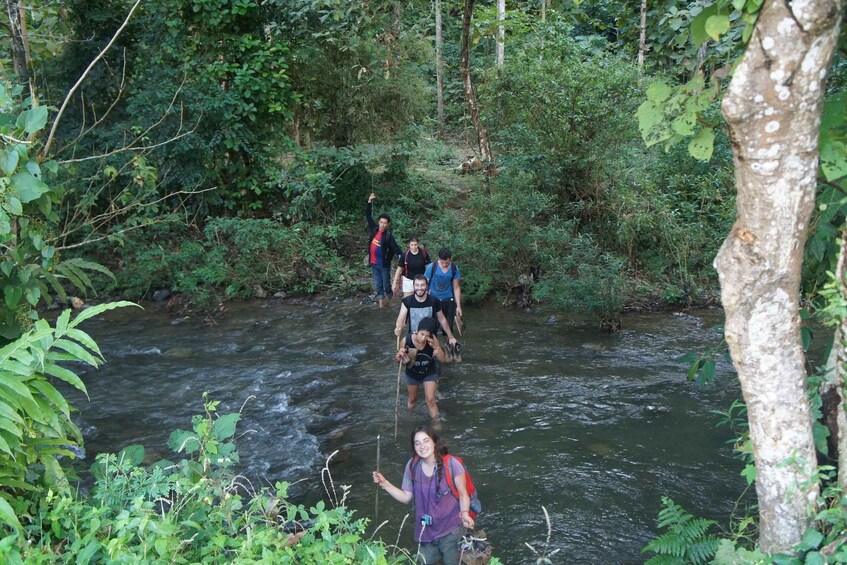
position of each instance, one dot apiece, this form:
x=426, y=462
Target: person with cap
x=419, y=353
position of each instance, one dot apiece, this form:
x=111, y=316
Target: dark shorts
x=448, y=307
x=414, y=381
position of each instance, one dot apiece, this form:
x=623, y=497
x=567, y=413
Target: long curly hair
x=440, y=448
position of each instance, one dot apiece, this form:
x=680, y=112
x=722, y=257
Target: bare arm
x=464, y=500
x=397, y=274
x=397, y=494
x=436, y=349
x=401, y=320
x=457, y=295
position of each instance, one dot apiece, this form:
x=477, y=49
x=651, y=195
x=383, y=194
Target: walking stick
x=397, y=400
x=376, y=494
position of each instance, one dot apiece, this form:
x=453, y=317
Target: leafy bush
x=238, y=258
x=196, y=510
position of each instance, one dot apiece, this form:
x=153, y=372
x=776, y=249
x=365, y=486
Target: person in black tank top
x=419, y=352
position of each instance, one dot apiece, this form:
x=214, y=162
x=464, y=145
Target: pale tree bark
x=642, y=39
x=482, y=136
x=439, y=66
x=773, y=109
x=501, y=33
x=16, y=18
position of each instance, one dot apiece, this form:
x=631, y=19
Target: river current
x=595, y=428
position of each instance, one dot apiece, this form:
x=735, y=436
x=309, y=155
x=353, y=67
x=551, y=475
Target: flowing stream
x=595, y=428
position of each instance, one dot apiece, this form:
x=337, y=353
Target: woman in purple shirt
x=440, y=518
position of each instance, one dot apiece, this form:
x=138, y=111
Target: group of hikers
x=436, y=482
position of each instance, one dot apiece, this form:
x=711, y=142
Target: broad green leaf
x=84, y=339
x=5, y=228
x=811, y=540
x=33, y=119
x=66, y=375
x=10, y=163
x=100, y=308
x=133, y=454
x=53, y=395
x=27, y=187
x=12, y=295
x=181, y=440
x=62, y=322
x=4, y=446
x=224, y=427
x=699, y=35
x=820, y=433
x=833, y=158
x=77, y=351
x=658, y=92
x=34, y=169
x=684, y=124
x=13, y=206
x=7, y=515
x=716, y=26
x=702, y=145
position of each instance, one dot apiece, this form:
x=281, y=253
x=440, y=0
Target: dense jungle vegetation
x=226, y=149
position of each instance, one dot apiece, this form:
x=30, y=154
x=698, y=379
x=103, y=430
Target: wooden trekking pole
x=376, y=494
x=397, y=400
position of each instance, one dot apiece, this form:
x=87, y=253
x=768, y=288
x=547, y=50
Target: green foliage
x=686, y=540
x=237, y=258
x=30, y=266
x=193, y=511
x=35, y=418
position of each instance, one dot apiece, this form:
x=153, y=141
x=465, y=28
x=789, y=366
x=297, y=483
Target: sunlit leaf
x=702, y=145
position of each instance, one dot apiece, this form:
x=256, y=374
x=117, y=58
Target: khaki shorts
x=408, y=285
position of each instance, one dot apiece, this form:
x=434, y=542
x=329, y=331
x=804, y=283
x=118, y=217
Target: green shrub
x=195, y=510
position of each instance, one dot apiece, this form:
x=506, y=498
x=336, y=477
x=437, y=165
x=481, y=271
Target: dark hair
x=444, y=253
x=421, y=278
x=414, y=238
x=428, y=325
x=386, y=216
x=440, y=447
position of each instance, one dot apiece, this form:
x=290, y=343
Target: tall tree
x=642, y=39
x=482, y=135
x=439, y=65
x=773, y=109
x=501, y=33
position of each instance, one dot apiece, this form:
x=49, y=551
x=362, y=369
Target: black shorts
x=448, y=307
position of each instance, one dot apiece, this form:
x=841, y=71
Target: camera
x=426, y=520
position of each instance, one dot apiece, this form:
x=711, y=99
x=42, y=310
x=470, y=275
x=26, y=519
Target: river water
x=593, y=427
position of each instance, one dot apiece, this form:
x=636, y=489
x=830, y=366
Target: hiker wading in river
x=440, y=517
x=382, y=248
x=419, y=306
x=419, y=352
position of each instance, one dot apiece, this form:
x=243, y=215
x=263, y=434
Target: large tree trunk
x=501, y=33
x=465, y=64
x=642, y=39
x=16, y=16
x=773, y=108
x=439, y=66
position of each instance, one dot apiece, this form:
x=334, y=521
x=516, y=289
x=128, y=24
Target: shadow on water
x=595, y=428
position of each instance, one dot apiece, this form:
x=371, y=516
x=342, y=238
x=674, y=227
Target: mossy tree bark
x=773, y=109
x=482, y=135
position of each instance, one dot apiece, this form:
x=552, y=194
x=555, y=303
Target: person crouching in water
x=419, y=352
x=440, y=518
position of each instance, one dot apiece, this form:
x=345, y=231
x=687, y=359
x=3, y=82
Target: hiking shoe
x=457, y=352
x=448, y=351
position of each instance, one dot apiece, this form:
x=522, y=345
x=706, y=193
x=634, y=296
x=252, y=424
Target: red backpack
x=476, y=505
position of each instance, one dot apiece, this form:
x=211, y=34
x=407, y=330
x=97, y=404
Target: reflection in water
x=595, y=428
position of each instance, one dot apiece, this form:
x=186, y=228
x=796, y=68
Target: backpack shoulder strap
x=452, y=270
x=413, y=462
x=448, y=474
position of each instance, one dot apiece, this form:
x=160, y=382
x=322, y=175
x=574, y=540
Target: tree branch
x=82, y=78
